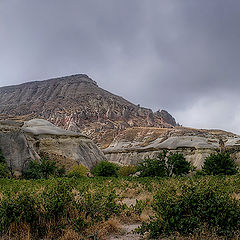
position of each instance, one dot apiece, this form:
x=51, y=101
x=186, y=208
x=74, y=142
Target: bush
x=78, y=171
x=40, y=212
x=18, y=209
x=2, y=158
x=152, y=167
x=43, y=169
x=126, y=171
x=195, y=208
x=55, y=199
x=4, y=170
x=220, y=163
x=97, y=206
x=177, y=165
x=165, y=165
x=105, y=169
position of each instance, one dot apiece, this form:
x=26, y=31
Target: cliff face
x=126, y=132
x=195, y=144
x=166, y=117
x=77, y=103
x=22, y=142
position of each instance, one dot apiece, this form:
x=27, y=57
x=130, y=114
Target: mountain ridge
x=77, y=103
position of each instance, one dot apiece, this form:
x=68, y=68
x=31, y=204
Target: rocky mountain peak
x=167, y=117
x=77, y=103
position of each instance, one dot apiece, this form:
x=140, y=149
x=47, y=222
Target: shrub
x=55, y=199
x=166, y=164
x=78, y=171
x=127, y=170
x=43, y=169
x=193, y=209
x=41, y=212
x=33, y=171
x=18, y=209
x=105, y=169
x=2, y=158
x=97, y=206
x=220, y=163
x=177, y=165
x=4, y=170
x=152, y=167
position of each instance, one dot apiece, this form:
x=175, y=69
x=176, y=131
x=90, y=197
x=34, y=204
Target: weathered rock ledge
x=196, y=144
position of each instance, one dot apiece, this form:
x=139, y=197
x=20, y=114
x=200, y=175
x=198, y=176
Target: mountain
x=125, y=132
x=77, y=103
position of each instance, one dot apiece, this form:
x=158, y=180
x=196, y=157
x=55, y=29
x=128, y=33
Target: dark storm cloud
x=179, y=55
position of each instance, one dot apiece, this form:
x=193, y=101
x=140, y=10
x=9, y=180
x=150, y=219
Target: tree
x=177, y=165
x=43, y=169
x=220, y=163
x=155, y=167
x=166, y=164
x=48, y=168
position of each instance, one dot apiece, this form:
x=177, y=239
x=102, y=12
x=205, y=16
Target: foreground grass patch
x=54, y=208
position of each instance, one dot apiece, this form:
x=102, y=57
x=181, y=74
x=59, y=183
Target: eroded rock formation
x=22, y=142
x=135, y=144
x=126, y=132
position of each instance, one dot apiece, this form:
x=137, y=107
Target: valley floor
x=105, y=208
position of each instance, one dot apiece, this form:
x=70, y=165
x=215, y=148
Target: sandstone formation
x=139, y=143
x=77, y=103
x=22, y=142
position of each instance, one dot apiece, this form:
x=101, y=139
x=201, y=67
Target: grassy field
x=96, y=208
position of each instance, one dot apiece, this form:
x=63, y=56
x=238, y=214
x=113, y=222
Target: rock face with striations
x=77, y=103
x=166, y=117
x=22, y=142
x=125, y=132
x=195, y=144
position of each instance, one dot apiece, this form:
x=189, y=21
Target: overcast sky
x=178, y=55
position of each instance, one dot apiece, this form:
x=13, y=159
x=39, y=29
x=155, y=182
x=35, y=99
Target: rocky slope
x=125, y=132
x=136, y=144
x=77, y=103
x=22, y=142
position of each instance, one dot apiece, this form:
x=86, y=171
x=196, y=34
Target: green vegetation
x=43, y=169
x=49, y=207
x=165, y=165
x=105, y=169
x=220, y=163
x=4, y=170
x=183, y=206
x=177, y=165
x=126, y=171
x=166, y=200
x=78, y=171
x=193, y=208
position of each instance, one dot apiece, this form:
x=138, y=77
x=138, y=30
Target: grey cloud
x=179, y=55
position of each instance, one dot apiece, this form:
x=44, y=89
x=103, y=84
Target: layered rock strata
x=139, y=143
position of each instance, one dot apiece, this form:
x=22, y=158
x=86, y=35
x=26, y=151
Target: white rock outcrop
x=20, y=143
x=194, y=144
